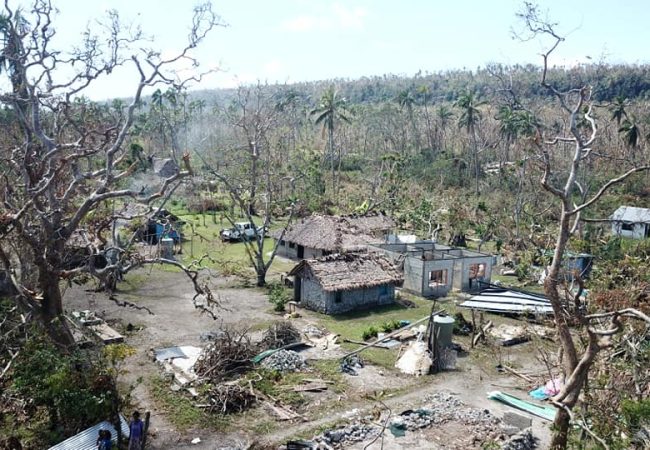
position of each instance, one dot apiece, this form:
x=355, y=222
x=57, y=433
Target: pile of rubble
x=441, y=407
x=336, y=438
x=284, y=361
x=350, y=364
x=523, y=440
x=413, y=420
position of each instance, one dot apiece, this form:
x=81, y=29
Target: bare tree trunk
x=52, y=310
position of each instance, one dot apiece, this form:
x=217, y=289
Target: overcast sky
x=297, y=40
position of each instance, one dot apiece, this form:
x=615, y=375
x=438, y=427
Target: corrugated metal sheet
x=508, y=301
x=87, y=439
x=631, y=214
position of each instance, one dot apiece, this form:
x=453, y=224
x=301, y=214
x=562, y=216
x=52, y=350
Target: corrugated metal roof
x=631, y=214
x=508, y=301
x=87, y=439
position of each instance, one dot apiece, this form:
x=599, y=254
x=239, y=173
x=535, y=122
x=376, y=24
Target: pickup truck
x=240, y=231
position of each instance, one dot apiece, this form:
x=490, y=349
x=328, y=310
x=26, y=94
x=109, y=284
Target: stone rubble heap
x=336, y=438
x=414, y=420
x=284, y=361
x=438, y=409
x=523, y=440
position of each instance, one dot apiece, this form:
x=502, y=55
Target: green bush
x=278, y=296
x=369, y=333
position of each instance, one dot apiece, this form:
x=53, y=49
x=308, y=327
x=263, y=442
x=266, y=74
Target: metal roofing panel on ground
x=507, y=301
x=87, y=439
x=507, y=308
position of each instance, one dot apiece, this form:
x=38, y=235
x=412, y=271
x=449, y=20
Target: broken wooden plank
x=518, y=374
x=107, y=334
x=281, y=412
x=311, y=387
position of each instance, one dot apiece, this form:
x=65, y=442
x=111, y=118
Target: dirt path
x=176, y=322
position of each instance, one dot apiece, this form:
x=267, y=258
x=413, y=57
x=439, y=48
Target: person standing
x=136, y=432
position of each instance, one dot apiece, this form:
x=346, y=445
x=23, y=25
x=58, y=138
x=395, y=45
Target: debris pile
x=227, y=356
x=227, y=398
x=350, y=364
x=523, y=440
x=411, y=420
x=312, y=331
x=356, y=432
x=278, y=335
x=284, y=361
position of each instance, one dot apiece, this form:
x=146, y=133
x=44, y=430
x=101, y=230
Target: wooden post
x=147, y=416
x=473, y=326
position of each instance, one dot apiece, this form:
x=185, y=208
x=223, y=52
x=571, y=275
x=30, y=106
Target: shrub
x=278, y=296
x=369, y=333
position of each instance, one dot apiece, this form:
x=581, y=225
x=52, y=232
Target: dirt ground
x=175, y=321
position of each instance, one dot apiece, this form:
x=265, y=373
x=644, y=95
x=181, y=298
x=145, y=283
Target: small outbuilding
x=631, y=222
x=339, y=283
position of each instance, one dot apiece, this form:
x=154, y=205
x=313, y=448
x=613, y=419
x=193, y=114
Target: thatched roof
x=336, y=233
x=345, y=272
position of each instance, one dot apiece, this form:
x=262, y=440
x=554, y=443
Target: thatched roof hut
x=350, y=271
x=337, y=233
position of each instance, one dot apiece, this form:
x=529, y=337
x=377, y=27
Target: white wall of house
x=631, y=230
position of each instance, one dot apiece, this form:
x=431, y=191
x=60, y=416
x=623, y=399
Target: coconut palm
x=406, y=100
x=617, y=109
x=630, y=132
x=330, y=110
x=470, y=117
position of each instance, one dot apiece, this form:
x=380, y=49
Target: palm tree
x=630, y=132
x=329, y=111
x=406, y=100
x=469, y=119
x=444, y=116
x=425, y=92
x=617, y=109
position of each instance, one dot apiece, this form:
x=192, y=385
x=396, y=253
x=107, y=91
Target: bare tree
x=63, y=156
x=561, y=181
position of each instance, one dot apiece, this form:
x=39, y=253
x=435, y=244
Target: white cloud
x=272, y=68
x=339, y=18
x=349, y=18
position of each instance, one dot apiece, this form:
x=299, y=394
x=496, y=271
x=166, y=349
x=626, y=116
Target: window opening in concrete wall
x=438, y=278
x=338, y=297
x=476, y=271
x=627, y=227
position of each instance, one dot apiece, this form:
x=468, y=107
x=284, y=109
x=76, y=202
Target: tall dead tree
x=560, y=177
x=63, y=157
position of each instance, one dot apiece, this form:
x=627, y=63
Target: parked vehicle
x=241, y=231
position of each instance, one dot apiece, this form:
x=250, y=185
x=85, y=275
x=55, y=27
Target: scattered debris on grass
x=228, y=398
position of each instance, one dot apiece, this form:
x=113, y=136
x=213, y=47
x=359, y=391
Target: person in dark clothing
x=136, y=432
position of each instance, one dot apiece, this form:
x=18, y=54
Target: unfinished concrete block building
x=432, y=270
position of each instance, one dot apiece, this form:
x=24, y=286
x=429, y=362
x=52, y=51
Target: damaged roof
x=631, y=214
x=335, y=233
x=346, y=272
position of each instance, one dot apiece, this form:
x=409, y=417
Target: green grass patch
x=230, y=258
x=329, y=370
x=181, y=411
